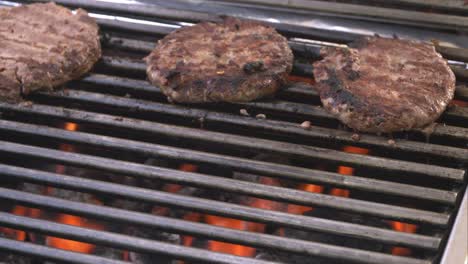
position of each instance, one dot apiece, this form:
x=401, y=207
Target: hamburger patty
x=233, y=61
x=384, y=85
x=44, y=46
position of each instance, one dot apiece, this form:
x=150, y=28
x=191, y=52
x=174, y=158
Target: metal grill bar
x=462, y=92
x=125, y=242
x=319, y=34
x=331, y=135
x=143, y=28
x=460, y=73
x=179, y=252
x=53, y=254
x=98, y=96
x=107, y=84
x=451, y=53
x=264, y=168
x=452, y=6
x=296, y=108
x=186, y=15
x=205, y=230
x=204, y=181
x=260, y=145
x=301, y=69
x=343, y=37
x=396, y=16
x=224, y=234
x=301, y=48
x=372, y=13
x=458, y=112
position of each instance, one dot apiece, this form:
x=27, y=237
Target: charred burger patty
x=43, y=46
x=232, y=61
x=384, y=85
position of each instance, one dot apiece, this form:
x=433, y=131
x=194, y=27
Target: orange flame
x=23, y=211
x=241, y=250
x=300, y=209
x=67, y=244
x=193, y=217
x=347, y=170
x=188, y=167
x=126, y=256
x=234, y=249
x=403, y=227
x=66, y=147
x=398, y=226
x=267, y=204
x=13, y=233
x=71, y=126
x=72, y=245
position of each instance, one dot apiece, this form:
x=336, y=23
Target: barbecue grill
x=112, y=144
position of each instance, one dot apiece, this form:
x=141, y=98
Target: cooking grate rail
x=119, y=112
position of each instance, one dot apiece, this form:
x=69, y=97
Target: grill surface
x=123, y=121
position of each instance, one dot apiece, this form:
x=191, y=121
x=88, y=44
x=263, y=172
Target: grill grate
x=123, y=121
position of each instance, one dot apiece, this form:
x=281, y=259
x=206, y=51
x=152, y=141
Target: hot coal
x=148, y=233
x=131, y=205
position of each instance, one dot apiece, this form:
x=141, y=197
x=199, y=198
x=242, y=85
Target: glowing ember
x=126, y=255
x=193, y=217
x=13, y=233
x=245, y=225
x=71, y=219
x=174, y=188
x=347, y=170
x=66, y=147
x=188, y=167
x=398, y=226
x=403, y=227
x=71, y=244
x=267, y=204
x=229, y=248
x=234, y=249
x=300, y=209
x=70, y=127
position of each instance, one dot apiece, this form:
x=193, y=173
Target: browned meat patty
x=44, y=46
x=384, y=85
x=231, y=61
